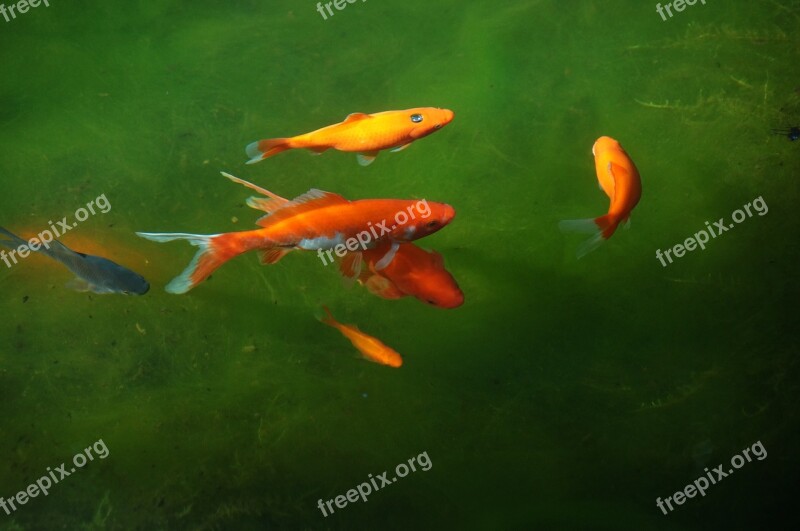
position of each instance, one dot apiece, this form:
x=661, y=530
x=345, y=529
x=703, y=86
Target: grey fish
x=92, y=273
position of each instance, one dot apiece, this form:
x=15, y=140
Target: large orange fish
x=619, y=179
x=365, y=134
x=315, y=221
x=409, y=271
x=370, y=347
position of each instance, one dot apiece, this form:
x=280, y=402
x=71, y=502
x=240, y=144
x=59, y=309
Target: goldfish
x=92, y=273
x=619, y=179
x=364, y=134
x=393, y=271
x=314, y=221
x=410, y=271
x=371, y=348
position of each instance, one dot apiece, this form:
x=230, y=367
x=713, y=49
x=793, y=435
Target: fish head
x=603, y=144
x=424, y=277
x=437, y=288
x=110, y=277
x=426, y=120
x=430, y=217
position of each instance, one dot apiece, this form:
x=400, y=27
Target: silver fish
x=92, y=273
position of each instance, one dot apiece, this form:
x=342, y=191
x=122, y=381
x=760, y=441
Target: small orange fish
x=410, y=271
x=619, y=179
x=365, y=134
x=372, y=349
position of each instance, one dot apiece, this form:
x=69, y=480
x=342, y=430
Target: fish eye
x=416, y=118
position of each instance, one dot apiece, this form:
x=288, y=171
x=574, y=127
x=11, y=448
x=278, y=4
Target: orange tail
x=262, y=149
x=607, y=225
x=328, y=318
x=601, y=228
x=215, y=250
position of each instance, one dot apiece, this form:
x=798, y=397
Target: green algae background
x=564, y=393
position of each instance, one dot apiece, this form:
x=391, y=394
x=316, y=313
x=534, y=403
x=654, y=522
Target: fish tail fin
x=328, y=317
x=215, y=250
x=13, y=242
x=600, y=228
x=262, y=149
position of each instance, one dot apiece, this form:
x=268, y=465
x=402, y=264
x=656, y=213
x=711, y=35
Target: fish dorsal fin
x=613, y=179
x=311, y=200
x=266, y=205
x=355, y=117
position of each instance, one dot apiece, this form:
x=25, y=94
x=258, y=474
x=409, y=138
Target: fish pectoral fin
x=351, y=265
x=80, y=285
x=366, y=158
x=399, y=148
x=273, y=256
x=383, y=287
x=384, y=262
x=356, y=116
x=627, y=223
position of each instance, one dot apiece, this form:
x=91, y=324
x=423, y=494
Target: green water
x=563, y=394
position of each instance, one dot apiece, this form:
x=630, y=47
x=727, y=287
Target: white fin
x=79, y=284
x=384, y=262
x=365, y=159
x=399, y=148
x=582, y=226
x=586, y=226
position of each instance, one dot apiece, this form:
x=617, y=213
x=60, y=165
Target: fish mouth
x=448, y=214
x=448, y=116
x=455, y=302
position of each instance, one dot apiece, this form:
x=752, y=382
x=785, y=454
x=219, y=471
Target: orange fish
x=619, y=179
x=371, y=348
x=365, y=134
x=315, y=221
x=410, y=271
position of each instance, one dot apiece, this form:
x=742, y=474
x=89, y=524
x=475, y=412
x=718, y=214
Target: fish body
x=371, y=348
x=314, y=221
x=412, y=271
x=92, y=273
x=365, y=134
x=619, y=179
